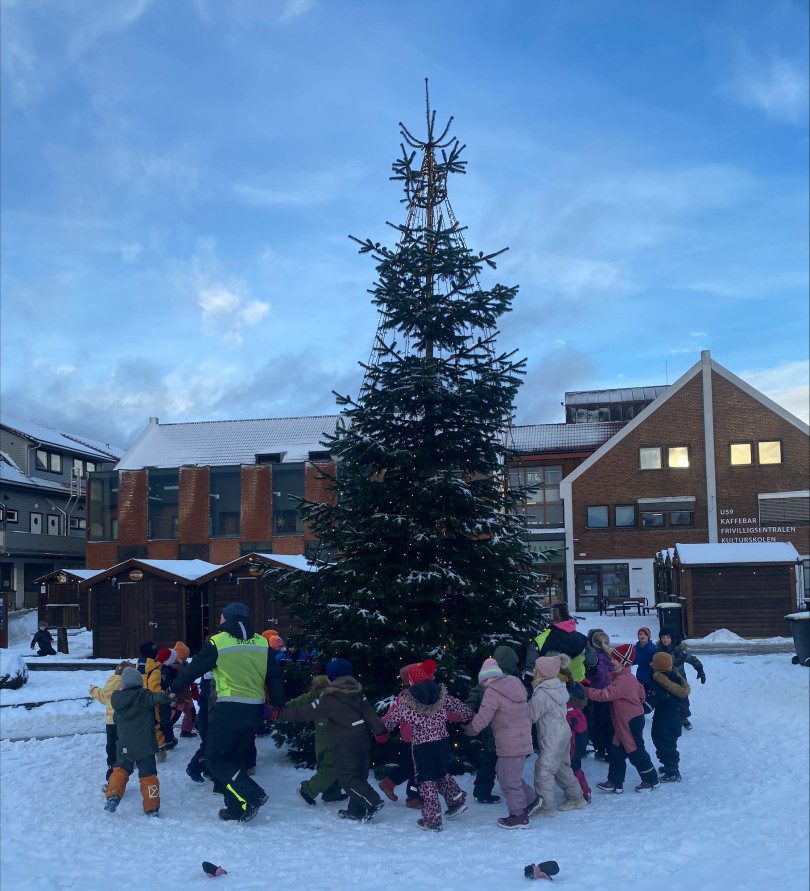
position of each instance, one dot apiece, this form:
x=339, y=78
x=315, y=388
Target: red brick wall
x=101, y=554
x=289, y=544
x=133, y=490
x=316, y=488
x=163, y=550
x=616, y=479
x=223, y=550
x=256, y=502
x=195, y=491
x=739, y=417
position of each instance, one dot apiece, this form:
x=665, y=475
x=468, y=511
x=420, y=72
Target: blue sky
x=179, y=180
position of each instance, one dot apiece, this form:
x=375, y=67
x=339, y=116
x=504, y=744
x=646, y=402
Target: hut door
x=132, y=633
x=164, y=613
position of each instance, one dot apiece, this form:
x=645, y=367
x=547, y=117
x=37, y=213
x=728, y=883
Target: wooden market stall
x=62, y=601
x=747, y=588
x=140, y=600
x=248, y=581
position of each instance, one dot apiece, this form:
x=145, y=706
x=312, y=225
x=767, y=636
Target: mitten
x=702, y=678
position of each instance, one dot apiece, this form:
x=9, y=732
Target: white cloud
x=787, y=384
x=226, y=312
x=697, y=333
x=776, y=86
x=64, y=368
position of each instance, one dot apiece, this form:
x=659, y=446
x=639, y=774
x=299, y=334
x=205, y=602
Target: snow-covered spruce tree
x=431, y=558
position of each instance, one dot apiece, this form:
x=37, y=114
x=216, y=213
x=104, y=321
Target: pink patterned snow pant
x=429, y=792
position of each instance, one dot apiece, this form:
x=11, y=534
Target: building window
x=625, y=515
x=681, y=518
x=11, y=515
x=770, y=451
x=270, y=458
x=102, y=506
x=164, y=490
x=598, y=517
x=543, y=505
x=78, y=523
x=48, y=461
x=225, y=501
x=652, y=519
x=678, y=457
x=649, y=458
x=82, y=468
x=288, y=488
x=784, y=507
x=741, y=453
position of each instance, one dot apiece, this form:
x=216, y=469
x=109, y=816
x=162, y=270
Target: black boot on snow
x=112, y=803
x=195, y=775
x=544, y=870
x=488, y=799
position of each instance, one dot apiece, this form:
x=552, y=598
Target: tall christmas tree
x=429, y=552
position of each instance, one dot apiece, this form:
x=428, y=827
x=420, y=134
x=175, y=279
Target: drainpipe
x=708, y=444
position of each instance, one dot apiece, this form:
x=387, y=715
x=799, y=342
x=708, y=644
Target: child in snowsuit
x=102, y=695
x=667, y=690
x=44, y=640
x=403, y=772
x=509, y=664
x=505, y=709
x=350, y=722
x=168, y=672
x=183, y=705
x=645, y=650
x=324, y=782
x=579, y=735
x=626, y=697
x=669, y=643
x=560, y=637
x=133, y=712
x=597, y=714
x=427, y=707
x=549, y=705
x=196, y=768
x=150, y=668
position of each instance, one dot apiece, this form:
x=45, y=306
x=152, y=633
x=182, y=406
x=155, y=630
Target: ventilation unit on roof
x=320, y=456
x=270, y=458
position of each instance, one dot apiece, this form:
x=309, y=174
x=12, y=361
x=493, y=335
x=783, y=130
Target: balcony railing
x=24, y=543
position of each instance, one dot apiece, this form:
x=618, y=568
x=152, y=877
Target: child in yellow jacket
x=102, y=695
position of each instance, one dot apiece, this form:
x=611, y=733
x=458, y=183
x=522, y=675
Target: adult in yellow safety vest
x=244, y=666
x=561, y=637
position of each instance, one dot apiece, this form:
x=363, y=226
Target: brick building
x=212, y=490
x=709, y=460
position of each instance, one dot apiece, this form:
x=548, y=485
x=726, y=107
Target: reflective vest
x=577, y=666
x=241, y=668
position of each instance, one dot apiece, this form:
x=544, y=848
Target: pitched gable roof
x=71, y=442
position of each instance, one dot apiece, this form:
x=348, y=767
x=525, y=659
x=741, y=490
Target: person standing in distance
x=243, y=664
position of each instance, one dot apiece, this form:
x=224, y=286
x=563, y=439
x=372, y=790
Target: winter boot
x=187, y=734
x=488, y=799
x=172, y=743
x=373, y=811
x=515, y=821
x=672, y=777
x=307, y=798
x=687, y=724
x=154, y=813
x=112, y=803
x=150, y=793
x=387, y=787
x=573, y=804
x=348, y=815
x=456, y=808
x=117, y=784
x=534, y=806
x=544, y=870
x=160, y=756
x=195, y=775
x=225, y=814
x=422, y=824
x=252, y=809
x=662, y=770
x=414, y=803
x=607, y=786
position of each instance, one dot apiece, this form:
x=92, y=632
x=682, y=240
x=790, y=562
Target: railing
x=30, y=543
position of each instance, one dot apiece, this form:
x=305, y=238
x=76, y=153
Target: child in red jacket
x=579, y=735
x=403, y=772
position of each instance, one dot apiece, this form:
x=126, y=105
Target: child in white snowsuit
x=549, y=705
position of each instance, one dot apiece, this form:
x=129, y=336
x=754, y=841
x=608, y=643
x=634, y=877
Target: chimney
x=153, y=420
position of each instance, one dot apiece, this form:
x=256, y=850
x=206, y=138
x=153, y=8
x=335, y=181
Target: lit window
x=598, y=517
x=626, y=515
x=678, y=456
x=652, y=519
x=56, y=463
x=770, y=452
x=649, y=458
x=41, y=459
x=741, y=453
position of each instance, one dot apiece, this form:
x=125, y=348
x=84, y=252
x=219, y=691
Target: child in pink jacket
x=506, y=709
x=626, y=697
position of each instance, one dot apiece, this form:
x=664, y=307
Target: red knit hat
x=645, y=631
x=422, y=671
x=624, y=654
x=404, y=673
x=166, y=656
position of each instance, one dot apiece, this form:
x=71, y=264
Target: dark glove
x=381, y=738
x=702, y=678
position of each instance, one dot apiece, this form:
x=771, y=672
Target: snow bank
x=51, y=685
x=731, y=823
x=13, y=671
x=722, y=635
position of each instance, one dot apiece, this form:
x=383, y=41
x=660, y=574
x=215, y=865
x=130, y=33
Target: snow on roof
x=190, y=570
x=611, y=397
x=291, y=560
x=11, y=473
x=73, y=442
x=544, y=438
x=219, y=443
x=743, y=552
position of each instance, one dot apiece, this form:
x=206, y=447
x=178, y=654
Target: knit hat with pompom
x=490, y=669
x=422, y=671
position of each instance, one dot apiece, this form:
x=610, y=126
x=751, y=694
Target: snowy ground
x=23, y=625
x=739, y=819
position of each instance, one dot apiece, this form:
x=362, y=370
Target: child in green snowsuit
x=324, y=782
